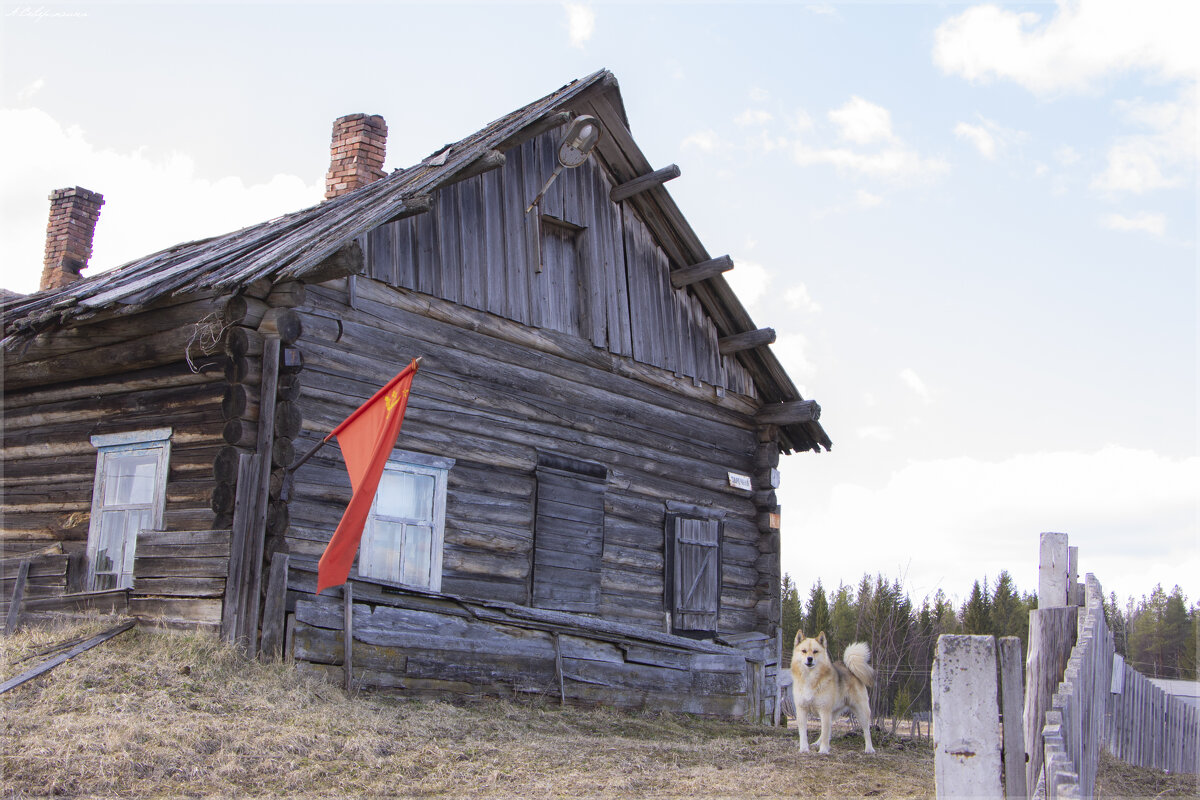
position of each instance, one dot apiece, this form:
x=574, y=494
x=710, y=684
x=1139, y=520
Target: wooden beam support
x=745, y=341
x=417, y=204
x=643, y=182
x=535, y=129
x=701, y=272
x=346, y=260
x=789, y=413
x=487, y=161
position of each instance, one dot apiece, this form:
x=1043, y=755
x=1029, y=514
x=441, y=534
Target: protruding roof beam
x=700, y=272
x=346, y=260
x=643, y=182
x=745, y=341
x=790, y=413
x=417, y=204
x=487, y=161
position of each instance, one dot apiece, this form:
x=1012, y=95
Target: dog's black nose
x=810, y=661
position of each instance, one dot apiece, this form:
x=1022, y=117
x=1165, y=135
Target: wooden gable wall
x=602, y=278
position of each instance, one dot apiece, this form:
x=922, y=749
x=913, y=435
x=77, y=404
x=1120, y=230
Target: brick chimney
x=73, y=216
x=356, y=155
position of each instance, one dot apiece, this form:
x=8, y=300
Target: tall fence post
x=1012, y=701
x=1052, y=570
x=965, y=718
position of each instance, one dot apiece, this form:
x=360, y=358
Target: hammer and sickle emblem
x=392, y=399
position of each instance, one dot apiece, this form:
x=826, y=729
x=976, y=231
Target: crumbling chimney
x=73, y=216
x=356, y=154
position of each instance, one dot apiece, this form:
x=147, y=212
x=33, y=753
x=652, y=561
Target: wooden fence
x=1079, y=696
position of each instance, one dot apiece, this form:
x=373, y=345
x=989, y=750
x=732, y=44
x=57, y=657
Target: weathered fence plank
x=1012, y=702
x=967, y=740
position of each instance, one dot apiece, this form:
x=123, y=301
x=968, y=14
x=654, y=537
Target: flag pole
x=325, y=441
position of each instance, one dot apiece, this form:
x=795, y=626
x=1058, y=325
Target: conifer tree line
x=1158, y=635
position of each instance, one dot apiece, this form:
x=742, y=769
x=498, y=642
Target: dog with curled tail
x=829, y=688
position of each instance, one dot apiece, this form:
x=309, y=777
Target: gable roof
x=294, y=245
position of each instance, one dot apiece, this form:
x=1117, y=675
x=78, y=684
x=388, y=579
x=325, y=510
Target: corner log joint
x=789, y=413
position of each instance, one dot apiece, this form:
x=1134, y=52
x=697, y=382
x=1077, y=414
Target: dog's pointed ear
x=821, y=638
x=799, y=638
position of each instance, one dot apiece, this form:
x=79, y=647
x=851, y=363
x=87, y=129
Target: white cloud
x=863, y=122
x=868, y=200
x=892, y=162
x=748, y=280
x=800, y=121
x=26, y=94
x=946, y=522
x=1153, y=224
x=792, y=350
x=1158, y=159
x=759, y=94
x=979, y=136
x=1067, y=155
x=1082, y=43
x=914, y=382
x=150, y=203
x=581, y=23
x=753, y=116
x=798, y=298
x=706, y=141
x=878, y=433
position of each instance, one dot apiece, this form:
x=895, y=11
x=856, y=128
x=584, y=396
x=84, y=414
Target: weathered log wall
x=578, y=264
x=439, y=645
x=108, y=374
x=492, y=394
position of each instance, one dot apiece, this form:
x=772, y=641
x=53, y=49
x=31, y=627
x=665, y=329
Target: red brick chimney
x=356, y=155
x=73, y=216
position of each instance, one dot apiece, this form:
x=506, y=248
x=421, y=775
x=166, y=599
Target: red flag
x=366, y=437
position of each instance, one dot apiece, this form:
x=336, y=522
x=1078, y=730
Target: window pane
x=129, y=479
x=380, y=556
x=406, y=496
x=418, y=546
x=110, y=558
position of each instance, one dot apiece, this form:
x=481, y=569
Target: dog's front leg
x=802, y=726
x=826, y=730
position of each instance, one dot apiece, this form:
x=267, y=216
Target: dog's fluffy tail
x=856, y=658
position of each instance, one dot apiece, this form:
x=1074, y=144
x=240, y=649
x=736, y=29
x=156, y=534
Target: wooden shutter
x=696, y=573
x=568, y=544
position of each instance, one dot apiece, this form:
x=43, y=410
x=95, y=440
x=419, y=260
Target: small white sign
x=740, y=481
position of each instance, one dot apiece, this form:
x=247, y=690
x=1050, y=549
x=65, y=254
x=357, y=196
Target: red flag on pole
x=366, y=437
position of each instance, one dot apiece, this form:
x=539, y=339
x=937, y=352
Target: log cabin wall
x=112, y=374
x=595, y=357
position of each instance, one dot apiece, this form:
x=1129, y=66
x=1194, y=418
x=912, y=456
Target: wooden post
x=261, y=486
x=1051, y=637
x=348, y=632
x=1012, y=702
x=1052, y=571
x=13, y=619
x=275, y=610
x=1074, y=589
x=235, y=582
x=966, y=736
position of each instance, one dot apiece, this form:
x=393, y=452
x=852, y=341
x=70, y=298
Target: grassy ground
x=154, y=715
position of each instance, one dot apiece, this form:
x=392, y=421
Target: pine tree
x=1007, y=611
x=843, y=617
x=790, y=615
x=976, y=616
x=1175, y=634
x=816, y=618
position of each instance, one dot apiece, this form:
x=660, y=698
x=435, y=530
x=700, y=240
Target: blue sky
x=972, y=226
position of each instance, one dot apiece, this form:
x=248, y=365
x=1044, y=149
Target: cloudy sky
x=972, y=226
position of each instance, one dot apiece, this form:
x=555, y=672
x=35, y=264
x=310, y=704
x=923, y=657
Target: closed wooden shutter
x=568, y=544
x=696, y=573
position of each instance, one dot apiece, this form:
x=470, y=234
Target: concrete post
x=966, y=720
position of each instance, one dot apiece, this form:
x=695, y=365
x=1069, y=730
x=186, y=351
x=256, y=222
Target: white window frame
x=405, y=462
x=109, y=446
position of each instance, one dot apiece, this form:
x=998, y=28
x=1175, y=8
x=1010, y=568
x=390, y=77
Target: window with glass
x=128, y=496
x=402, y=540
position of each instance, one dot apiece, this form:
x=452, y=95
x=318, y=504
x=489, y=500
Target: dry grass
x=168, y=715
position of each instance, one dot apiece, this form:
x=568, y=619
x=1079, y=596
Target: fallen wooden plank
x=46, y=666
x=13, y=618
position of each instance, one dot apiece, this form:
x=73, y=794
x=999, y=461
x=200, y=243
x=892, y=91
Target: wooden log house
x=582, y=499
